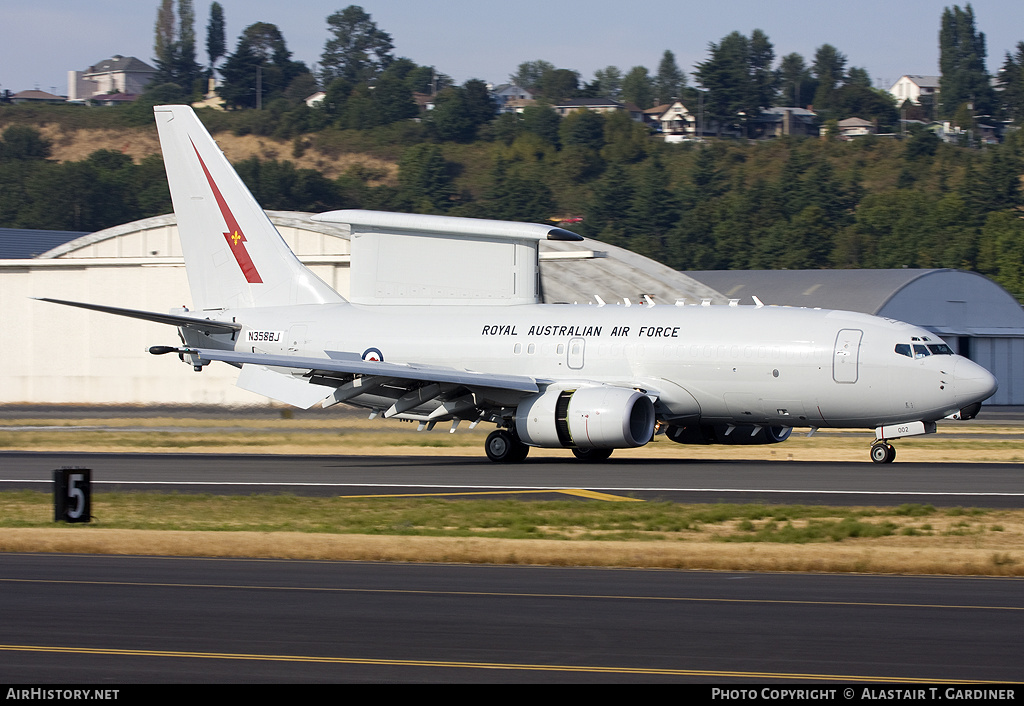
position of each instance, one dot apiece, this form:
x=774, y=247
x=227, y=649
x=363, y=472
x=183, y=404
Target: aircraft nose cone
x=973, y=382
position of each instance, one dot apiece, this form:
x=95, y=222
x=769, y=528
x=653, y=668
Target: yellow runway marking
x=479, y=665
x=593, y=495
x=509, y=594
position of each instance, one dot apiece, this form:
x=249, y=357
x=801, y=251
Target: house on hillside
x=594, y=105
x=508, y=97
x=676, y=122
x=779, y=121
x=119, y=74
x=34, y=96
x=911, y=87
x=855, y=127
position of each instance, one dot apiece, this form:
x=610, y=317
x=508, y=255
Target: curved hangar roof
x=572, y=271
x=948, y=302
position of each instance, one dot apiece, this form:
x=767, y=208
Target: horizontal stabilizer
x=204, y=325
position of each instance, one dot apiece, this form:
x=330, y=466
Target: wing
x=424, y=393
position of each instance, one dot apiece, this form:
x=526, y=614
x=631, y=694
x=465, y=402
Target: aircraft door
x=577, y=347
x=846, y=357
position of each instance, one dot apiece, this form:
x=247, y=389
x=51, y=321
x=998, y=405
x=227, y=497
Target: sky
x=44, y=39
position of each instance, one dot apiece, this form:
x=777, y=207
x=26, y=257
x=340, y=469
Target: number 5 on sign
x=72, y=495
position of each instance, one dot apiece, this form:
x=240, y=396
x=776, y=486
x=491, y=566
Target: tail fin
x=234, y=256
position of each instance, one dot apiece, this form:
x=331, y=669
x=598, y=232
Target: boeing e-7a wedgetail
x=444, y=325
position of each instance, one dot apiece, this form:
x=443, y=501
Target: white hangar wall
x=71, y=355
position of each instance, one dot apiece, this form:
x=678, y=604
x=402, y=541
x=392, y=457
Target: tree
x=762, y=78
x=261, y=59
x=608, y=81
x=187, y=71
x=24, y=143
x=829, y=68
x=216, y=44
x=529, y=73
x=423, y=179
x=176, y=51
x=1011, y=84
x=638, y=88
x=795, y=83
x=963, y=79
x=163, y=47
x=460, y=111
x=738, y=78
x=358, y=50
x=558, y=84
x=582, y=128
x=669, y=81
x=543, y=121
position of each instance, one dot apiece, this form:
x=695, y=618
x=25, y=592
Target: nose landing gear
x=882, y=452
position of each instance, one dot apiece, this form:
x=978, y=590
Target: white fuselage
x=759, y=365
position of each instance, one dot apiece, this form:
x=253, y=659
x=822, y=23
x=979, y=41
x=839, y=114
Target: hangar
x=65, y=355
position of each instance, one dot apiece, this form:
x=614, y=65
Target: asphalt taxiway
x=994, y=485
x=124, y=620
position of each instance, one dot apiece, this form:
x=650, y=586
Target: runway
x=124, y=620
x=992, y=485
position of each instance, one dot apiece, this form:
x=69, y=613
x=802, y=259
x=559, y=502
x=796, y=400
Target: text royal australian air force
x=581, y=331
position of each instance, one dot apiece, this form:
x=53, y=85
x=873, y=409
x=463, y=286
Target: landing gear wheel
x=883, y=453
x=504, y=447
x=592, y=455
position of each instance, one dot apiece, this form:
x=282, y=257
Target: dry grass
x=358, y=436
x=937, y=542
x=76, y=145
x=852, y=557
x=911, y=539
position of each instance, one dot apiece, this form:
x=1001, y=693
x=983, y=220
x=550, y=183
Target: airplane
x=444, y=324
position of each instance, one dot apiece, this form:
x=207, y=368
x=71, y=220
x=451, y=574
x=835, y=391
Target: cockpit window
x=921, y=351
x=904, y=349
x=940, y=349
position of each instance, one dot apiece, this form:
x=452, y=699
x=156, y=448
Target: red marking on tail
x=234, y=236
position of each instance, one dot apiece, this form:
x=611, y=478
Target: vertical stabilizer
x=234, y=256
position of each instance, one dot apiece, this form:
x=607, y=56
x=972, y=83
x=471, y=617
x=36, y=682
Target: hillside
x=76, y=144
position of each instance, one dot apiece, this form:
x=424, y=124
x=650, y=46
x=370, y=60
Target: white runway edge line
x=512, y=488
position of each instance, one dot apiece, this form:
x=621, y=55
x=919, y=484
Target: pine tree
x=216, y=44
x=670, y=80
x=964, y=79
x=357, y=50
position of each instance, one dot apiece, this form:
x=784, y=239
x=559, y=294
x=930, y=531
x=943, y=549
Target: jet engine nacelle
x=586, y=418
x=728, y=434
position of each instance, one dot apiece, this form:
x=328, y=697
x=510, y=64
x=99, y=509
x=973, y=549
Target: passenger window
x=904, y=349
x=921, y=351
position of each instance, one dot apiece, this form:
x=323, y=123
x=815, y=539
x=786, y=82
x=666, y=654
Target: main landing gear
x=503, y=446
